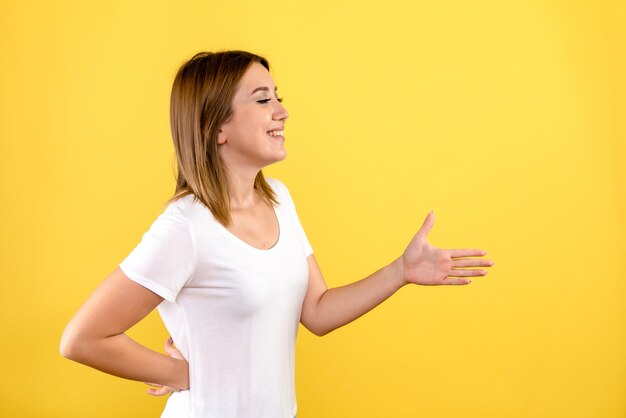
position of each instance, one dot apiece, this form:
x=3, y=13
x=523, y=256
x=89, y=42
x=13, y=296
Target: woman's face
x=244, y=141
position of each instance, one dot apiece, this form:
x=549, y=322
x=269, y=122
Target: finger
x=456, y=282
x=465, y=273
x=472, y=262
x=159, y=392
x=169, y=346
x=427, y=225
x=467, y=253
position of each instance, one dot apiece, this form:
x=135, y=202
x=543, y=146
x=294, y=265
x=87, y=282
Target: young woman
x=228, y=264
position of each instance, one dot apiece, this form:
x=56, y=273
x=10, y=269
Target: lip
x=278, y=138
x=280, y=128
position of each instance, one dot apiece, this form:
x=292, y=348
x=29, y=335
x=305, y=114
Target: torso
x=257, y=226
x=233, y=309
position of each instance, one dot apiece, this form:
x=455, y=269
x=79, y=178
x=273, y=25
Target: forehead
x=255, y=76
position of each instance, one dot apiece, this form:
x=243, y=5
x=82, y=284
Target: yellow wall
x=507, y=118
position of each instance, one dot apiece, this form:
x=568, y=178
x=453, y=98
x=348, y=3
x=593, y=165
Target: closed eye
x=280, y=100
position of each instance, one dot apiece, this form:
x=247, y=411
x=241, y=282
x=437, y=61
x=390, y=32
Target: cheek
x=251, y=121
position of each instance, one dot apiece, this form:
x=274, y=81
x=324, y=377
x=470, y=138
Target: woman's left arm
x=325, y=310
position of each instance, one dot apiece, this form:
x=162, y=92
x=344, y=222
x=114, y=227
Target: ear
x=221, y=137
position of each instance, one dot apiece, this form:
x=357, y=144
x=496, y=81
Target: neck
x=241, y=189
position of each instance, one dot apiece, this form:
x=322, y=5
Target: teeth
x=276, y=133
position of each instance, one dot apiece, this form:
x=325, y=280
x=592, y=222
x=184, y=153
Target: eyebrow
x=262, y=88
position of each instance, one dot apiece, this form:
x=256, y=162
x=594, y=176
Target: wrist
x=180, y=374
x=396, y=276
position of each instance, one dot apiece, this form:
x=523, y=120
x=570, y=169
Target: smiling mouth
x=276, y=133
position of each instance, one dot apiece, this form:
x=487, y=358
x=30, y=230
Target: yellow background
x=507, y=118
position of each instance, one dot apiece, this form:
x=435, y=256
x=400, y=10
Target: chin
x=278, y=158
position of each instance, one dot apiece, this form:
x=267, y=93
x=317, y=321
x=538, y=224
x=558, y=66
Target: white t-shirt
x=232, y=309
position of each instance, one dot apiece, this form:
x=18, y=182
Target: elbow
x=313, y=327
x=67, y=347
x=71, y=346
x=314, y=322
x=319, y=331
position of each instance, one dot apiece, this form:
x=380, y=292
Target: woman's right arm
x=96, y=337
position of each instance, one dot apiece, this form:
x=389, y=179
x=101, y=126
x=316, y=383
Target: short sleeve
x=306, y=246
x=164, y=260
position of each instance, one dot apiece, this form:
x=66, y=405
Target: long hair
x=200, y=103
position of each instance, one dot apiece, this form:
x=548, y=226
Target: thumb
x=427, y=225
x=169, y=346
x=173, y=351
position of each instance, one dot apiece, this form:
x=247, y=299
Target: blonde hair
x=200, y=103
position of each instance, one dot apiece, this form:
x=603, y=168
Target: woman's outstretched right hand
x=160, y=390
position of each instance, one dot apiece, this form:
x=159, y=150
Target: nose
x=280, y=113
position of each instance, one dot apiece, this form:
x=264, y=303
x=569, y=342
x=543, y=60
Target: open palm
x=427, y=265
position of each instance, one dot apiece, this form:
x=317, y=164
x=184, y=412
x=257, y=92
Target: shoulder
x=281, y=190
x=278, y=186
x=275, y=183
x=189, y=206
x=180, y=206
x=177, y=214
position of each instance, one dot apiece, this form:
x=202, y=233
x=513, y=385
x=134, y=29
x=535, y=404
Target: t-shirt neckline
x=248, y=246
